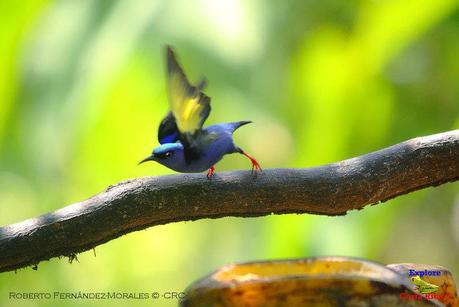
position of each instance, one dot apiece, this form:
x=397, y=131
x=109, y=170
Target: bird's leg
x=255, y=165
x=211, y=172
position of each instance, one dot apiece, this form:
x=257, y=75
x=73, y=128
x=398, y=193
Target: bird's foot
x=211, y=172
x=255, y=165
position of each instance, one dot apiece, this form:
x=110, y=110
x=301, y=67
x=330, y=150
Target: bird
x=422, y=286
x=185, y=145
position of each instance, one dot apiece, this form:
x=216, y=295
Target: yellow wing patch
x=188, y=104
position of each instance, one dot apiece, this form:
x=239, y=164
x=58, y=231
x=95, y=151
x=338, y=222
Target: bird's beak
x=150, y=158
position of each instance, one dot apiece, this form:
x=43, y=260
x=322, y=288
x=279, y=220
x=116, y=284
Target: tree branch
x=136, y=204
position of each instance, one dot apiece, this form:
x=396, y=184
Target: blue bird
x=186, y=146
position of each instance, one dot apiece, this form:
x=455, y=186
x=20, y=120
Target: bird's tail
x=236, y=125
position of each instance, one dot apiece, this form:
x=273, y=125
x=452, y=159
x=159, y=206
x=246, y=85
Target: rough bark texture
x=136, y=204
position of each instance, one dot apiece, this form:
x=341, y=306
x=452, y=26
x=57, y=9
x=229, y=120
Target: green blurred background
x=82, y=92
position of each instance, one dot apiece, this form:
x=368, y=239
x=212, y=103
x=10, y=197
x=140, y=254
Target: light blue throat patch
x=167, y=147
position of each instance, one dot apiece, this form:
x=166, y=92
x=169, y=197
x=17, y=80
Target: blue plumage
x=166, y=147
x=186, y=147
x=169, y=138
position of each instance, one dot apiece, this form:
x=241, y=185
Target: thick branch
x=136, y=204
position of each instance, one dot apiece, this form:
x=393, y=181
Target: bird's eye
x=165, y=155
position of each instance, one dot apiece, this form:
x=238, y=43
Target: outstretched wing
x=189, y=106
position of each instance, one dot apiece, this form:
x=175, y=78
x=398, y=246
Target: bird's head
x=167, y=154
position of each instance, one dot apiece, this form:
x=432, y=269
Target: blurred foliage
x=83, y=91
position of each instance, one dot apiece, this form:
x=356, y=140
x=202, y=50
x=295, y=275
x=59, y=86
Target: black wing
x=168, y=131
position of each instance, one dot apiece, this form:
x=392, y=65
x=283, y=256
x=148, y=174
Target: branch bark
x=136, y=204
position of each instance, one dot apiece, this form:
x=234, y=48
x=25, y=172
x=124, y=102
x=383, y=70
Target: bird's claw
x=255, y=165
x=211, y=172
